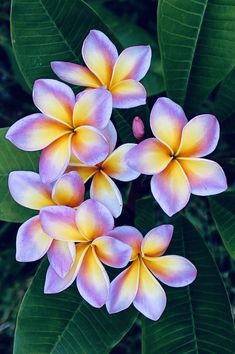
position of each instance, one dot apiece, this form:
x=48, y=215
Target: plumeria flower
x=32, y=243
x=103, y=189
x=174, y=156
x=89, y=225
x=138, y=283
x=120, y=74
x=65, y=125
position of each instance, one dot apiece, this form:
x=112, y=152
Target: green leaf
x=65, y=323
x=197, y=318
x=224, y=105
x=223, y=212
x=197, y=43
x=13, y=159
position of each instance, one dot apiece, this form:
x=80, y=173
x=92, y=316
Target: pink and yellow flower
x=174, y=156
x=89, y=225
x=120, y=74
x=103, y=189
x=138, y=283
x=32, y=242
x=65, y=125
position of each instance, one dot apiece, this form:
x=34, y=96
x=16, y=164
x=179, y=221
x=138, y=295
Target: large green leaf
x=50, y=30
x=13, y=159
x=224, y=105
x=197, y=43
x=223, y=212
x=197, y=318
x=65, y=323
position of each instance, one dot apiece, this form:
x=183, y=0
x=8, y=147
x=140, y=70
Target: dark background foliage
x=15, y=102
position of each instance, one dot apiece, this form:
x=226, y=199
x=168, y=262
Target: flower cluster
x=78, y=143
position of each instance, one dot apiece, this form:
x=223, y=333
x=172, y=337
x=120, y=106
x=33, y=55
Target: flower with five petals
x=174, y=156
x=138, y=283
x=120, y=74
x=32, y=243
x=89, y=225
x=65, y=125
x=103, y=189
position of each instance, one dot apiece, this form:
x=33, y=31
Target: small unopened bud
x=138, y=128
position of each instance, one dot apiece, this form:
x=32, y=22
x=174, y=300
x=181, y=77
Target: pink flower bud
x=138, y=128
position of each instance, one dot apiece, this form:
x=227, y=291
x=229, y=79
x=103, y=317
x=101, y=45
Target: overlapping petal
x=174, y=271
x=61, y=256
x=100, y=55
x=35, y=132
x=167, y=120
x=75, y=74
x=205, y=177
x=132, y=63
x=89, y=145
x=69, y=190
x=55, y=99
x=123, y=289
x=112, y=252
x=110, y=134
x=55, y=158
x=149, y=157
x=150, y=299
x=93, y=219
x=171, y=188
x=200, y=136
x=128, y=94
x=105, y=191
x=93, y=107
x=92, y=279
x=59, y=223
x=157, y=240
x=54, y=283
x=31, y=241
x=129, y=235
x=28, y=190
x=116, y=167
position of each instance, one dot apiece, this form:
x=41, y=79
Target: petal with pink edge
x=92, y=280
x=99, y=217
x=112, y=252
x=105, y=191
x=100, y=55
x=69, y=190
x=149, y=157
x=93, y=107
x=31, y=241
x=174, y=271
x=61, y=256
x=115, y=165
x=89, y=145
x=157, y=240
x=59, y=223
x=54, y=283
x=110, y=133
x=35, y=132
x=171, y=188
x=167, y=120
x=129, y=235
x=27, y=189
x=205, y=177
x=133, y=63
x=200, y=136
x=128, y=94
x=150, y=299
x=75, y=74
x=123, y=289
x=55, y=99
x=55, y=158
